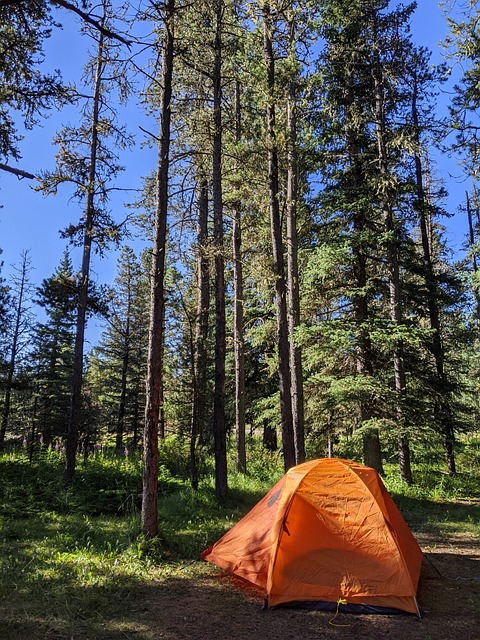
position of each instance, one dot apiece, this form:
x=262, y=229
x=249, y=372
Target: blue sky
x=30, y=221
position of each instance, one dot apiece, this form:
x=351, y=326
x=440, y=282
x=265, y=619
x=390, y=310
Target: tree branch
x=17, y=172
x=88, y=18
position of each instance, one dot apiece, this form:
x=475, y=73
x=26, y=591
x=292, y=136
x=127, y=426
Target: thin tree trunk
x=14, y=349
x=474, y=259
x=157, y=295
x=364, y=351
x=33, y=431
x=443, y=408
x=330, y=436
x=136, y=412
x=288, y=442
x=292, y=266
x=238, y=342
x=219, y=427
x=393, y=274
x=201, y=331
x=77, y=371
x=123, y=383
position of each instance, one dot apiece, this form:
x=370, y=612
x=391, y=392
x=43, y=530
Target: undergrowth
x=65, y=552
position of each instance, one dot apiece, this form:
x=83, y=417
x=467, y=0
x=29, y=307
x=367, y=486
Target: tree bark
x=238, y=342
x=77, y=373
x=293, y=283
x=442, y=409
x=201, y=330
x=219, y=427
x=14, y=348
x=288, y=443
x=157, y=295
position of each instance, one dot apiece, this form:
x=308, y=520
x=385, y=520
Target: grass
x=68, y=554
x=438, y=504
x=72, y=555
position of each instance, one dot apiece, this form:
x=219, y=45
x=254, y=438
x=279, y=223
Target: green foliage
x=24, y=90
x=104, y=484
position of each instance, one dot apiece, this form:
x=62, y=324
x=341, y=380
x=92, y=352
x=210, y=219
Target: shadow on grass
x=428, y=516
x=209, y=604
x=101, y=487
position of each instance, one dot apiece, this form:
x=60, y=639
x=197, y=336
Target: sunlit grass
x=77, y=554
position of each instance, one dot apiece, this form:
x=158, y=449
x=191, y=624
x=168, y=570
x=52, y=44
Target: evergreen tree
x=53, y=352
x=277, y=241
x=463, y=47
x=88, y=158
x=19, y=332
x=365, y=136
x=155, y=369
x=219, y=426
x=4, y=306
x=117, y=365
x=25, y=90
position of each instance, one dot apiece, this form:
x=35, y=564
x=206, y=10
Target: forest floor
x=198, y=601
x=73, y=567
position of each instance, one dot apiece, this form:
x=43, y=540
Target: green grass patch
x=438, y=503
x=73, y=557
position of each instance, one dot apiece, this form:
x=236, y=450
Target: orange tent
x=327, y=535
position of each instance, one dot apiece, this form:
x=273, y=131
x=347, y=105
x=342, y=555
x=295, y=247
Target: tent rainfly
x=326, y=536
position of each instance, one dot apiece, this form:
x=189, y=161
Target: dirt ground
x=214, y=606
x=203, y=603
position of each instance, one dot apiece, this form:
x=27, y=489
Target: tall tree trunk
x=269, y=436
x=292, y=263
x=123, y=383
x=157, y=287
x=33, y=430
x=288, y=442
x=471, y=233
x=360, y=303
x=161, y=397
x=219, y=427
x=14, y=348
x=137, y=418
x=393, y=270
x=238, y=342
x=201, y=330
x=77, y=371
x=443, y=409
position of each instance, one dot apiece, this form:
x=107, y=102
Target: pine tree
x=219, y=427
x=365, y=136
x=423, y=80
x=4, y=306
x=200, y=331
x=277, y=242
x=463, y=47
x=238, y=313
x=53, y=352
x=88, y=159
x=157, y=285
x=25, y=91
x=19, y=333
x=292, y=207
x=117, y=365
